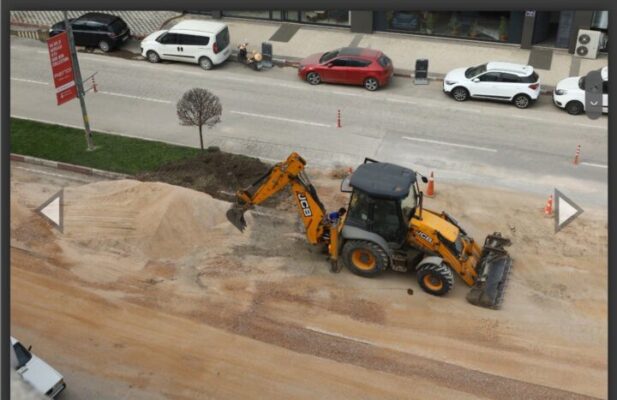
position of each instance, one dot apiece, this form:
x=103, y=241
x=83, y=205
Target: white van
x=35, y=371
x=196, y=41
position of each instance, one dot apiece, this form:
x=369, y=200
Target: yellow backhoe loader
x=385, y=226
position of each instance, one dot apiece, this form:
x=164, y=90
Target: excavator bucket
x=493, y=270
x=235, y=215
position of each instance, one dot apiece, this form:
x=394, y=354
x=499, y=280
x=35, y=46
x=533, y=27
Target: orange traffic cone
x=548, y=208
x=430, y=189
x=577, y=156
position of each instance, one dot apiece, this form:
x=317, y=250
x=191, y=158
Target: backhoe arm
x=287, y=173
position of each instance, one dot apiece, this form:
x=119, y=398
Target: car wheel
x=574, y=107
x=313, y=78
x=371, y=84
x=460, y=94
x=521, y=101
x=205, y=63
x=153, y=57
x=104, y=46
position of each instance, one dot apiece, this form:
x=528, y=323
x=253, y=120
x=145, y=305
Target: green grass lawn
x=113, y=153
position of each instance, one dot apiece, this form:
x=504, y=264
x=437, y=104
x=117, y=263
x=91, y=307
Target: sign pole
x=80, y=85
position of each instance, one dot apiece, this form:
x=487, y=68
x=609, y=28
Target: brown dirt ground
x=150, y=287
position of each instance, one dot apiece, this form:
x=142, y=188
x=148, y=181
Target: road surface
x=268, y=114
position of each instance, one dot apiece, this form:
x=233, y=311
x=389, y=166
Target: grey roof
x=383, y=180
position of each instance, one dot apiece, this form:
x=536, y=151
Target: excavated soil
x=215, y=172
x=151, y=291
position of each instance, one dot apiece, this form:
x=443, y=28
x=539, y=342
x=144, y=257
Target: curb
x=68, y=167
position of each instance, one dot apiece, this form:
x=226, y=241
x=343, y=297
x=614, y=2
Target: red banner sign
x=62, y=67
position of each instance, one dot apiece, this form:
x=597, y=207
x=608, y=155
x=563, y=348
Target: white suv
x=501, y=81
x=570, y=93
x=196, y=41
x=35, y=371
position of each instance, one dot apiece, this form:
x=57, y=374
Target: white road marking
x=466, y=146
x=230, y=76
x=594, y=165
x=297, y=121
x=318, y=330
x=29, y=81
x=135, y=97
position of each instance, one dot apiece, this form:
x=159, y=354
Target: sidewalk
x=443, y=54
x=141, y=23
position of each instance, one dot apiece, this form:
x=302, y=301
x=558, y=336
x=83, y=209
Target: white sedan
x=501, y=81
x=570, y=93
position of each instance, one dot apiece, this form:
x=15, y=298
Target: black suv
x=104, y=31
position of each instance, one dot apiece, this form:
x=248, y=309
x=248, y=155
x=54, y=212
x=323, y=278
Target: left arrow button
x=52, y=210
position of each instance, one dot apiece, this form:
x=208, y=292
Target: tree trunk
x=201, y=138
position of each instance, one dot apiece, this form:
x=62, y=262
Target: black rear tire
x=521, y=101
x=574, y=107
x=364, y=258
x=435, y=279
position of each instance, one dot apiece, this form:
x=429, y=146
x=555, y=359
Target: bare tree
x=199, y=107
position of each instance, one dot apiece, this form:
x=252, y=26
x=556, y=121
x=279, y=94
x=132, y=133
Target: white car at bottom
x=501, y=81
x=45, y=379
x=570, y=93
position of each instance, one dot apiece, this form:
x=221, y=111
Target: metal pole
x=80, y=85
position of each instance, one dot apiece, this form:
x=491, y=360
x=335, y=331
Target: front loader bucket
x=235, y=215
x=493, y=270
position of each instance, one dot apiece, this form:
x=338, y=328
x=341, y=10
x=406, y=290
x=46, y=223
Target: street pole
x=80, y=85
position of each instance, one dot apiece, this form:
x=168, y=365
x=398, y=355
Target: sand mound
x=155, y=219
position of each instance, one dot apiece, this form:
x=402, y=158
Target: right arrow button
x=565, y=211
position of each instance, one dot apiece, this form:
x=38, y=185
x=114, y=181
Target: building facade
x=558, y=29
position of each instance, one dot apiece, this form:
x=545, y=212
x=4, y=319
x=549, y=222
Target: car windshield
x=475, y=71
x=328, y=56
x=23, y=355
x=409, y=203
x=581, y=83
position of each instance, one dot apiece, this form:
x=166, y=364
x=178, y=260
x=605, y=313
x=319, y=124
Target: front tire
x=521, y=101
x=364, y=258
x=460, y=94
x=574, y=107
x=313, y=78
x=205, y=63
x=104, y=46
x=371, y=84
x=153, y=57
x=435, y=279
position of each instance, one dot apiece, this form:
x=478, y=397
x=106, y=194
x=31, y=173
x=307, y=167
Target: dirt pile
x=155, y=219
x=213, y=172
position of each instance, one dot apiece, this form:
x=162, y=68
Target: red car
x=348, y=65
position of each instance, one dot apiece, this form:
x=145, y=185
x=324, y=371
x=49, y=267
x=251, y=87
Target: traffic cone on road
x=577, y=156
x=430, y=188
x=548, y=208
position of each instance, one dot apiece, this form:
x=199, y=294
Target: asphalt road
x=271, y=113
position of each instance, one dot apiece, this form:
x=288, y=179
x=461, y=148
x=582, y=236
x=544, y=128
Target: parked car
x=37, y=372
x=104, y=31
x=348, y=65
x=570, y=93
x=500, y=81
x=195, y=41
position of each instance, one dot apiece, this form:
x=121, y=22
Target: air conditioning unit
x=587, y=43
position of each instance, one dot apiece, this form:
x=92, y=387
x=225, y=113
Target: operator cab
x=383, y=200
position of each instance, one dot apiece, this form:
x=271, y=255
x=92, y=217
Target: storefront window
x=491, y=26
x=248, y=14
x=330, y=17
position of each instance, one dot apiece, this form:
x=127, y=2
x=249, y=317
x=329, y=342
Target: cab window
x=489, y=77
